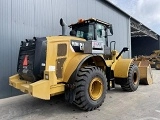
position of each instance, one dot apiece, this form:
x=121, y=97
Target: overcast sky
x=145, y=11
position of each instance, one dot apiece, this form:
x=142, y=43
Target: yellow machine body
x=82, y=66
x=61, y=64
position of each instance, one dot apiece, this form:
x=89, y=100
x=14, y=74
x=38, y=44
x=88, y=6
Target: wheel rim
x=158, y=66
x=135, y=78
x=96, y=88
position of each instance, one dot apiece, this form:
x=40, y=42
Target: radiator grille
x=59, y=69
x=62, y=50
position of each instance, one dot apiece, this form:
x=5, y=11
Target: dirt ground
x=143, y=104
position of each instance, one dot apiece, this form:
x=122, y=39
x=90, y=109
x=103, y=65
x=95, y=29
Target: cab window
x=100, y=32
x=86, y=31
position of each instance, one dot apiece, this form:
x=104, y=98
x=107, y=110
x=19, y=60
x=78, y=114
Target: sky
x=145, y=11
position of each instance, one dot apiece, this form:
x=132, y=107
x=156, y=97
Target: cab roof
x=82, y=21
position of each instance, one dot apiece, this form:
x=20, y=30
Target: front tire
x=91, y=86
x=133, y=79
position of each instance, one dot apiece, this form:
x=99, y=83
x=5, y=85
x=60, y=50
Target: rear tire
x=133, y=79
x=91, y=86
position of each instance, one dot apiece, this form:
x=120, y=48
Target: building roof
x=138, y=29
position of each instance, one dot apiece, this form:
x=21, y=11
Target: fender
x=75, y=64
x=122, y=67
x=71, y=72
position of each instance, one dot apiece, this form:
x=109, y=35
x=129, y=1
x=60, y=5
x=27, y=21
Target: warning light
x=25, y=61
x=80, y=20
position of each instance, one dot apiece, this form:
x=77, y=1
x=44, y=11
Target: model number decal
x=75, y=43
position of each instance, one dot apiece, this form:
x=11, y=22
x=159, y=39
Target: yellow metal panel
x=122, y=67
x=40, y=89
x=51, y=55
x=109, y=63
x=25, y=88
x=63, y=38
x=52, y=77
x=145, y=74
x=72, y=65
x=149, y=76
x=113, y=65
x=57, y=89
x=15, y=81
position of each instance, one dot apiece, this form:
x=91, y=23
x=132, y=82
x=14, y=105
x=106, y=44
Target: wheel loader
x=82, y=66
x=153, y=59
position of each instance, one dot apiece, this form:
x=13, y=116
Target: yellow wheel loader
x=153, y=59
x=82, y=66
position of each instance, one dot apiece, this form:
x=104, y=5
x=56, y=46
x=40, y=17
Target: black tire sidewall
x=84, y=100
x=98, y=74
x=132, y=71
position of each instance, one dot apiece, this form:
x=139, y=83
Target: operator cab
x=91, y=29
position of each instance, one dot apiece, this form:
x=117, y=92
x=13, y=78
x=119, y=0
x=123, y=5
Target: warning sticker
x=51, y=68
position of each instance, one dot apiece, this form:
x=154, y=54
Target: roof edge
x=126, y=14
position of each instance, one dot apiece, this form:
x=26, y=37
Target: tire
x=133, y=79
x=157, y=65
x=91, y=87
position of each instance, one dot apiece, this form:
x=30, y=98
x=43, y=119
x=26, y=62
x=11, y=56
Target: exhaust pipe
x=63, y=24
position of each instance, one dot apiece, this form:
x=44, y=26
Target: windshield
x=86, y=31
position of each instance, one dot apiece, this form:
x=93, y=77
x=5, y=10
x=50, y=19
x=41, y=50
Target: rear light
x=81, y=20
x=46, y=76
x=25, y=61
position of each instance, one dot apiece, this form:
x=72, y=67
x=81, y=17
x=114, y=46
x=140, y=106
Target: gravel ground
x=143, y=104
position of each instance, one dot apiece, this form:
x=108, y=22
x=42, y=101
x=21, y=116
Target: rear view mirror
x=125, y=49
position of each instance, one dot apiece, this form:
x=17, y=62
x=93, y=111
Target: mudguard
x=122, y=67
x=76, y=63
x=73, y=64
x=71, y=71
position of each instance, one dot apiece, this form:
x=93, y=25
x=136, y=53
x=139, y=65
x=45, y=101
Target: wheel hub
x=135, y=80
x=96, y=88
x=158, y=66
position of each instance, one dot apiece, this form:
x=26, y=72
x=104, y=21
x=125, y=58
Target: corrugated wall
x=5, y=47
x=21, y=19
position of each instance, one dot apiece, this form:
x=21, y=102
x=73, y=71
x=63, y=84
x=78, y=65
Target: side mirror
x=111, y=30
x=72, y=33
x=125, y=49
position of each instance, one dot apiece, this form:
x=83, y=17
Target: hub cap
x=96, y=88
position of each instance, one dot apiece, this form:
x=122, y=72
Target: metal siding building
x=21, y=19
